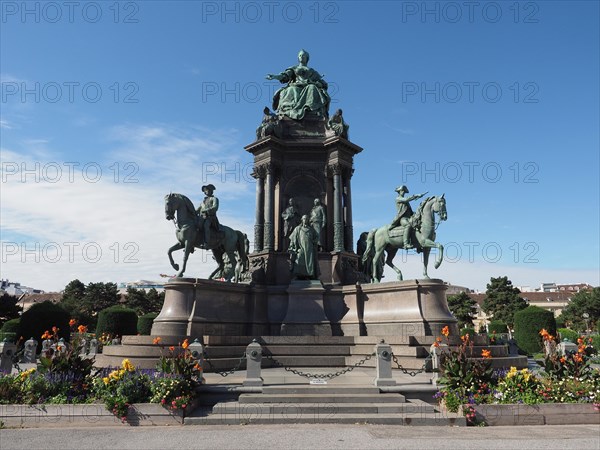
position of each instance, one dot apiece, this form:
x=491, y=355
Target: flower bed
x=567, y=391
x=66, y=386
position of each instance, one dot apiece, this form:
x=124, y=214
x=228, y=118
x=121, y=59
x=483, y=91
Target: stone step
x=321, y=398
x=405, y=361
x=419, y=419
x=317, y=389
x=290, y=350
x=278, y=340
x=399, y=350
x=290, y=409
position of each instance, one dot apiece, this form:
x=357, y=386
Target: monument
x=303, y=277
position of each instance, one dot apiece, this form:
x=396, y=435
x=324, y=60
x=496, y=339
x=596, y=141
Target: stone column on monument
x=269, y=235
x=338, y=225
x=348, y=232
x=259, y=226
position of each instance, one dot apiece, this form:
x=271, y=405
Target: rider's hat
x=209, y=186
x=402, y=188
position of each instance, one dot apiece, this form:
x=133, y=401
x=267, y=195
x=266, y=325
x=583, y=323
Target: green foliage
x=84, y=302
x=498, y=326
x=42, y=317
x=117, y=321
x=144, y=302
x=584, y=301
x=8, y=308
x=144, y=323
x=528, y=324
x=468, y=330
x=596, y=344
x=463, y=308
x=11, y=326
x=566, y=333
x=502, y=300
x=560, y=322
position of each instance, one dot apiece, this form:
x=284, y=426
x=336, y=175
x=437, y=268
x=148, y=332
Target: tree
x=9, y=308
x=502, y=300
x=585, y=301
x=99, y=296
x=463, y=308
x=155, y=300
x=72, y=301
x=137, y=300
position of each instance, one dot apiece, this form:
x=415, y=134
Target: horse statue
x=228, y=245
x=382, y=239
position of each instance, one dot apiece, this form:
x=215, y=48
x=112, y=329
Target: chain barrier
x=412, y=373
x=224, y=373
x=329, y=376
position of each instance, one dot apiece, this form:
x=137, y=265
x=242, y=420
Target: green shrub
x=498, y=326
x=528, y=324
x=468, y=330
x=11, y=326
x=144, y=323
x=43, y=317
x=566, y=333
x=117, y=321
x=596, y=343
x=560, y=322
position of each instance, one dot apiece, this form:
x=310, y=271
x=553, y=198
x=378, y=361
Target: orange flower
x=486, y=354
x=72, y=322
x=446, y=331
x=82, y=328
x=185, y=344
x=465, y=338
x=55, y=330
x=436, y=344
x=563, y=360
x=198, y=367
x=156, y=340
x=172, y=348
x=46, y=335
x=546, y=336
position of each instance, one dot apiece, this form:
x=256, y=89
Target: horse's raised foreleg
x=428, y=244
x=189, y=246
x=391, y=253
x=176, y=247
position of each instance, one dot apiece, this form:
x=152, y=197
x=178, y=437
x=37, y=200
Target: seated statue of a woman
x=305, y=92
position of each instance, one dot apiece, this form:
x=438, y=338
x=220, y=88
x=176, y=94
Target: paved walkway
x=305, y=437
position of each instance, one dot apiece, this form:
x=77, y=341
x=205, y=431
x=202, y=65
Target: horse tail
x=241, y=248
x=370, y=249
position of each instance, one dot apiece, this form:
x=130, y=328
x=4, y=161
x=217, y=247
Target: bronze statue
x=305, y=92
x=383, y=239
x=337, y=125
x=228, y=246
x=303, y=250
x=404, y=214
x=291, y=219
x=318, y=220
x=208, y=214
x=269, y=126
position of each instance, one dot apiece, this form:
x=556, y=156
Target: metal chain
x=224, y=373
x=412, y=373
x=329, y=376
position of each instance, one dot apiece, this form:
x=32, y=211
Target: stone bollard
x=116, y=341
x=46, y=345
x=383, y=353
x=83, y=347
x=197, y=351
x=93, y=347
x=566, y=347
x=7, y=353
x=436, y=361
x=29, y=351
x=253, y=364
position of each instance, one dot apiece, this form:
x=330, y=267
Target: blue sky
x=107, y=107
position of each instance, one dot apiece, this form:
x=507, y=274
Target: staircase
x=286, y=404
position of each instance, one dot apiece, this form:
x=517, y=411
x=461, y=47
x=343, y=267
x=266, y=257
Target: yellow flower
x=106, y=380
x=127, y=365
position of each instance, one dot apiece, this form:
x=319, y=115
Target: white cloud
x=54, y=223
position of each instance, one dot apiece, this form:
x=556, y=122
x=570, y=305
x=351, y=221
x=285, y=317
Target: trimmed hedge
x=11, y=326
x=571, y=335
x=528, y=324
x=42, y=317
x=117, y=321
x=498, y=326
x=144, y=323
x=596, y=344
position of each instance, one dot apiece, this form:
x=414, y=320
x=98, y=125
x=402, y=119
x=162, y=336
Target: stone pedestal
x=305, y=314
x=398, y=308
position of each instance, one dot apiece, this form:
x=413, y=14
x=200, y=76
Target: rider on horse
x=404, y=214
x=208, y=213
